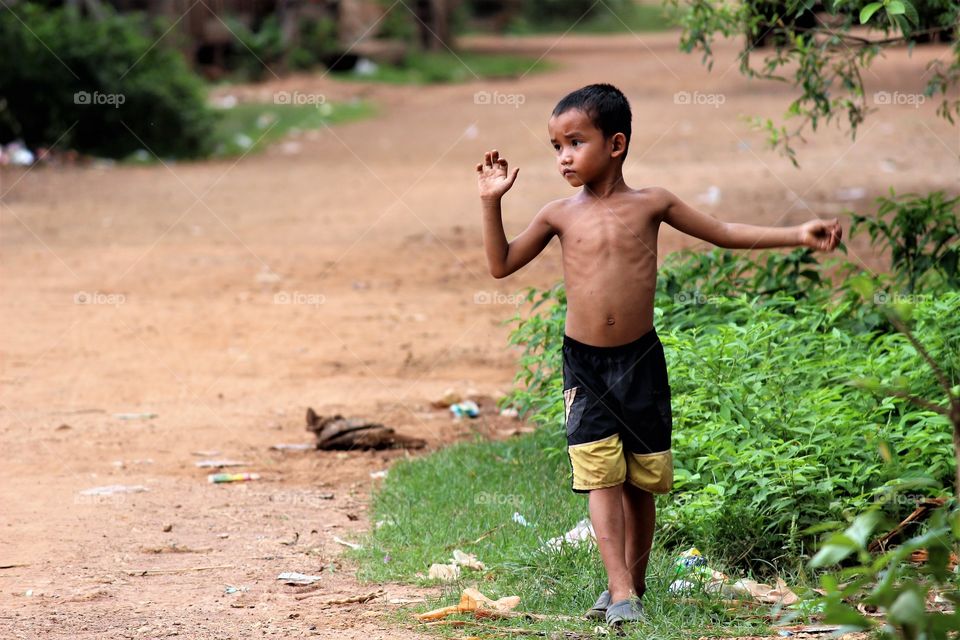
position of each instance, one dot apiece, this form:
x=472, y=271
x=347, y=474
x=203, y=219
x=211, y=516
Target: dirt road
x=226, y=297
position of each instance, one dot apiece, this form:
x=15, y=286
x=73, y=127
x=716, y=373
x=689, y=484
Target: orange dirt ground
x=371, y=232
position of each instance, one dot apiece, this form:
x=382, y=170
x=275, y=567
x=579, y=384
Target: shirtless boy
x=616, y=392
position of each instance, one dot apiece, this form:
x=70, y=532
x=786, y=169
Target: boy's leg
x=607, y=517
x=639, y=512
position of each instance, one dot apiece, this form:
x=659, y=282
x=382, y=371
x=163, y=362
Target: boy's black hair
x=605, y=105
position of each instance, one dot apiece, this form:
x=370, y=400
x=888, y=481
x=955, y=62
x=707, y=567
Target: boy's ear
x=618, y=145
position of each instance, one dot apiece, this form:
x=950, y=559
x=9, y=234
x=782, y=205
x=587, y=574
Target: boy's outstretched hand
x=492, y=176
x=824, y=235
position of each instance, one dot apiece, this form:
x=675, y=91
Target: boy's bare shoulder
x=654, y=196
x=551, y=211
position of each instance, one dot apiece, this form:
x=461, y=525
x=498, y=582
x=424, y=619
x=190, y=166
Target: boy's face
x=582, y=151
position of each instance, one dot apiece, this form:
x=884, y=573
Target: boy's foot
x=629, y=610
x=599, y=609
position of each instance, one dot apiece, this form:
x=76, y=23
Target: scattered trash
x=352, y=545
x=451, y=571
x=444, y=572
x=135, y=416
x=711, y=196
x=266, y=276
x=225, y=102
x=219, y=478
x=473, y=601
x=122, y=464
x=293, y=447
x=520, y=520
x=113, y=489
x=851, y=193
x=208, y=464
x=509, y=412
x=365, y=67
x=582, y=532
x=243, y=141
x=17, y=154
x=780, y=594
x=297, y=578
x=232, y=589
x=693, y=573
x=376, y=475
x=337, y=432
x=290, y=148
x=689, y=559
x=205, y=454
x=467, y=408
x=467, y=560
x=448, y=398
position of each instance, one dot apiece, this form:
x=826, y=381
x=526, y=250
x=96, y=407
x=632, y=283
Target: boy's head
x=590, y=128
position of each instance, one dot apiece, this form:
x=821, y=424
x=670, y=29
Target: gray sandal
x=599, y=610
x=629, y=610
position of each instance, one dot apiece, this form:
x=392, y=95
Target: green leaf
x=838, y=548
x=862, y=525
x=908, y=608
x=896, y=8
x=868, y=11
x=911, y=12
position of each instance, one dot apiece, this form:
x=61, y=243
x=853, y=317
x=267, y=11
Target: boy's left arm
x=824, y=235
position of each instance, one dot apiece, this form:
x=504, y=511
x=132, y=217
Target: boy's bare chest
x=617, y=234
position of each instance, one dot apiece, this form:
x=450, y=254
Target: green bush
x=922, y=234
x=770, y=438
x=97, y=86
x=257, y=52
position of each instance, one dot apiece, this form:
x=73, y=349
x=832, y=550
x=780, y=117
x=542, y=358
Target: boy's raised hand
x=824, y=235
x=493, y=178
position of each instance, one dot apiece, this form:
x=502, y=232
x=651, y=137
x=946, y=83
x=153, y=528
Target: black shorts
x=617, y=413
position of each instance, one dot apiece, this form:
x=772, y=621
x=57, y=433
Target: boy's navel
x=611, y=320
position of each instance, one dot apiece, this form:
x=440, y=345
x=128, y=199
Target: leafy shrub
x=769, y=437
x=98, y=86
x=891, y=582
x=259, y=51
x=922, y=235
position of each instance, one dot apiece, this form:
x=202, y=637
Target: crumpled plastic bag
x=451, y=571
x=580, y=533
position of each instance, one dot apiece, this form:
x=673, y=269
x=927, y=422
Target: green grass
x=635, y=18
x=251, y=127
x=430, y=506
x=446, y=67
x=771, y=441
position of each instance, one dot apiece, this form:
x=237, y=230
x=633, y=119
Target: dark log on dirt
x=339, y=433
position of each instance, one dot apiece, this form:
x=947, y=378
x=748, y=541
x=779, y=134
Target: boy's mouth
x=567, y=172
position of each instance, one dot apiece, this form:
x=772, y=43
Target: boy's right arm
x=504, y=257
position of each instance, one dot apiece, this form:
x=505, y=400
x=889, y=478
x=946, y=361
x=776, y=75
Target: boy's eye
x=575, y=142
x=556, y=147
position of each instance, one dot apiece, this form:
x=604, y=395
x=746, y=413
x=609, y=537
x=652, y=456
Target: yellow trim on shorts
x=603, y=463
